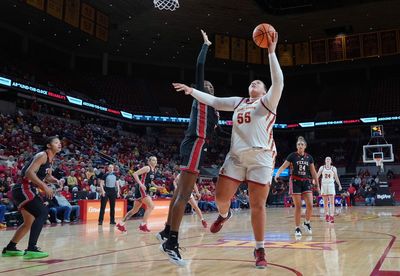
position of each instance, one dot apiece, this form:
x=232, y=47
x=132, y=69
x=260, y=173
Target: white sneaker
x=307, y=227
x=58, y=220
x=297, y=232
x=173, y=254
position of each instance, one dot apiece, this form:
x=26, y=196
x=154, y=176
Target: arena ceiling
x=141, y=33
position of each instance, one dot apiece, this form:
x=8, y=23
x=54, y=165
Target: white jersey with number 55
x=252, y=127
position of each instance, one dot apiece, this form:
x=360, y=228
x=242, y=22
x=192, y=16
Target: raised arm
x=223, y=104
x=271, y=99
x=201, y=60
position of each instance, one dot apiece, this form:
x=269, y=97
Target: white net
x=378, y=162
x=169, y=5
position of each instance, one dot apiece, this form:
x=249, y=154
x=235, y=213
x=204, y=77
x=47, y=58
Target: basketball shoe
x=259, y=255
x=173, y=254
x=35, y=254
x=121, y=227
x=144, y=228
x=327, y=218
x=297, y=232
x=219, y=222
x=332, y=219
x=307, y=227
x=161, y=236
x=204, y=223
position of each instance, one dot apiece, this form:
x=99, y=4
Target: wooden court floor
x=363, y=241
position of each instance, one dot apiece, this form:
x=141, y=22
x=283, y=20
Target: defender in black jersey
x=300, y=184
x=142, y=196
x=25, y=195
x=203, y=121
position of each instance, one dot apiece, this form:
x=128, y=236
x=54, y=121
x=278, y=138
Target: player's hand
x=103, y=194
x=143, y=186
x=49, y=192
x=276, y=179
x=272, y=41
x=340, y=188
x=205, y=38
x=182, y=87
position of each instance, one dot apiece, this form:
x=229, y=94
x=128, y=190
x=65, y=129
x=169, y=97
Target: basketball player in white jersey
x=252, y=154
x=329, y=176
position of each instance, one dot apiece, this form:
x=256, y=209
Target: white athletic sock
x=224, y=215
x=259, y=244
x=142, y=223
x=307, y=221
x=122, y=223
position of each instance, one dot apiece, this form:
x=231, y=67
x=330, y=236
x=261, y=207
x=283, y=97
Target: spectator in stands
x=10, y=161
x=72, y=181
x=65, y=193
x=3, y=210
x=56, y=210
x=69, y=209
x=357, y=182
x=95, y=193
x=352, y=194
x=370, y=194
x=130, y=199
x=243, y=199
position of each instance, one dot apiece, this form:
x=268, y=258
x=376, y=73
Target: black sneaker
x=161, y=236
x=113, y=223
x=307, y=228
x=173, y=254
x=100, y=223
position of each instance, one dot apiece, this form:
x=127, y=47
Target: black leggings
x=36, y=208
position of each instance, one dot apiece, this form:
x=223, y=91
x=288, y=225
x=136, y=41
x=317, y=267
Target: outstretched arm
x=201, y=60
x=223, y=104
x=271, y=99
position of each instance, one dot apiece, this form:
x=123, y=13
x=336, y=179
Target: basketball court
x=363, y=241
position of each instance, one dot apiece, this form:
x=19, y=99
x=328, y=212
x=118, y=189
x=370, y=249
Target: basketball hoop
x=169, y=5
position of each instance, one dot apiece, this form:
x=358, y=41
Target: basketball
x=260, y=34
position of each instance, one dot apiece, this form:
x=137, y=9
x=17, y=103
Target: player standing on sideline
x=142, y=196
x=252, y=154
x=329, y=176
x=302, y=169
x=25, y=195
x=203, y=120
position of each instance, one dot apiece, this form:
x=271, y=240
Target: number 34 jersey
x=252, y=127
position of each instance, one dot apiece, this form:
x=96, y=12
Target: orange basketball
x=260, y=34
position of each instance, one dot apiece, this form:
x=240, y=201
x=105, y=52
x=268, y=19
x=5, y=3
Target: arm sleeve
x=271, y=99
x=223, y=104
x=201, y=60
